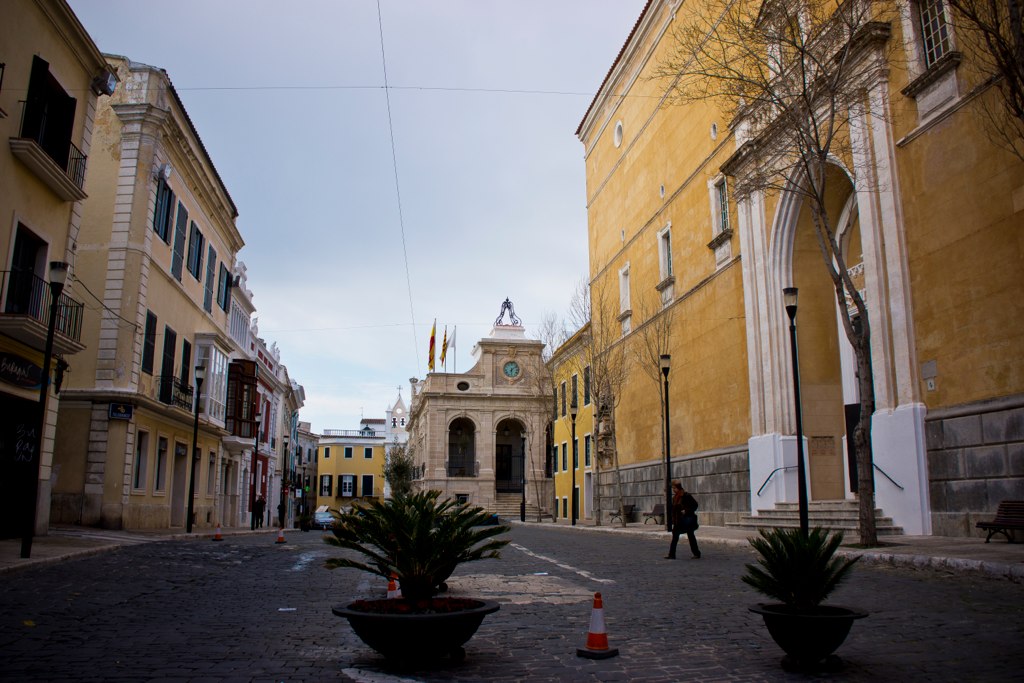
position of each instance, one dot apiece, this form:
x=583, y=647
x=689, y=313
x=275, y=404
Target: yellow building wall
x=562, y=433
x=337, y=465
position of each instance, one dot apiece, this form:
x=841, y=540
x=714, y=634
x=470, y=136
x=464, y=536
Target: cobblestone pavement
x=248, y=609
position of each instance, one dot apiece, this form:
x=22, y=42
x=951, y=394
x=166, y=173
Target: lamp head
x=789, y=299
x=574, y=410
x=200, y=374
x=58, y=272
x=665, y=362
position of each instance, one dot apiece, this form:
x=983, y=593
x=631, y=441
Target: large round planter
x=808, y=637
x=416, y=635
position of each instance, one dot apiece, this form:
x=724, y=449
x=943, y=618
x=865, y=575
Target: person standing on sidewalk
x=684, y=520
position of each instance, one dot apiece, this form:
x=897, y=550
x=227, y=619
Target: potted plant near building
x=418, y=539
x=800, y=571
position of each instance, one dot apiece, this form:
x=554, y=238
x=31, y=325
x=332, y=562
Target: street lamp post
x=666, y=364
x=58, y=276
x=252, y=492
x=573, y=409
x=789, y=297
x=200, y=376
x=522, y=503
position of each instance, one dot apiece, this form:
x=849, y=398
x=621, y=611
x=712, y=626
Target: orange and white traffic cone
x=597, y=638
x=217, y=536
x=280, y=536
x=393, y=590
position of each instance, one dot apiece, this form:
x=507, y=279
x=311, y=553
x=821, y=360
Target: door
x=19, y=446
x=179, y=484
x=167, y=366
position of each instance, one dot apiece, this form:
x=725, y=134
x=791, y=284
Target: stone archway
x=462, y=448
x=509, y=456
x=827, y=377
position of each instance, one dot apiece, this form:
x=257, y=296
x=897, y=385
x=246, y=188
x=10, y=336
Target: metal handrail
x=173, y=391
x=777, y=469
x=886, y=475
x=30, y=295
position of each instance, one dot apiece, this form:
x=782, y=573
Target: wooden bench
x=1009, y=518
x=625, y=514
x=657, y=514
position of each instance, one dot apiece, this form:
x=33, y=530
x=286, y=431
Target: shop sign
x=19, y=371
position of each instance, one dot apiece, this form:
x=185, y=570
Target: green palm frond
x=418, y=536
x=798, y=570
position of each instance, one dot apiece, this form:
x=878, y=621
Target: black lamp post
x=522, y=503
x=666, y=363
x=789, y=296
x=252, y=492
x=200, y=376
x=58, y=276
x=573, y=409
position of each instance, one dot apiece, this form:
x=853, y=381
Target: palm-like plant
x=417, y=537
x=797, y=570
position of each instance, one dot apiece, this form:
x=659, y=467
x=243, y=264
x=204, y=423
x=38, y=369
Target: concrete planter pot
x=808, y=638
x=417, y=630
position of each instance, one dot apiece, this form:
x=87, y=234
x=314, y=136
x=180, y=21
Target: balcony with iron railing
x=26, y=313
x=174, y=391
x=57, y=162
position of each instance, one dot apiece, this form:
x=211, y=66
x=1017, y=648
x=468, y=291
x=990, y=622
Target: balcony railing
x=29, y=295
x=173, y=391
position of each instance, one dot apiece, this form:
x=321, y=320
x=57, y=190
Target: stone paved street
x=247, y=609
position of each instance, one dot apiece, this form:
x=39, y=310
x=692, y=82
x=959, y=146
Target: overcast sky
x=289, y=99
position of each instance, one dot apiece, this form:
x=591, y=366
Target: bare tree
x=649, y=341
x=552, y=332
x=790, y=72
x=603, y=350
x=991, y=34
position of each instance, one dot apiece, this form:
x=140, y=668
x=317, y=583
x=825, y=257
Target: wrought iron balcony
x=26, y=313
x=173, y=391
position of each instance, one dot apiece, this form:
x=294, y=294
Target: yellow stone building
x=929, y=210
x=573, y=452
x=156, y=252
x=51, y=79
x=350, y=464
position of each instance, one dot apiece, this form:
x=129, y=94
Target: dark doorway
x=19, y=446
x=509, y=458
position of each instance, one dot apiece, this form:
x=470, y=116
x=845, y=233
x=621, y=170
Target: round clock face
x=511, y=369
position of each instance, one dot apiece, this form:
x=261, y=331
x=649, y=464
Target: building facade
x=51, y=80
x=482, y=436
x=670, y=240
x=573, y=448
x=350, y=464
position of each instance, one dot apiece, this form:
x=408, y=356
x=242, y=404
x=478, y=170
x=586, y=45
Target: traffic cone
x=597, y=639
x=393, y=590
x=217, y=536
x=280, y=536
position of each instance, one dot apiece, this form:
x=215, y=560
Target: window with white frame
x=367, y=484
x=325, y=484
x=665, y=252
x=348, y=485
x=720, y=206
x=215, y=387
x=141, y=461
x=348, y=452
x=367, y=452
x=935, y=34
x=624, y=289
x=160, y=476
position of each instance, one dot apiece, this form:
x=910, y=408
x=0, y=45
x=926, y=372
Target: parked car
x=325, y=519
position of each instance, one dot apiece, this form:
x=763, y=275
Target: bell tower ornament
x=514, y=320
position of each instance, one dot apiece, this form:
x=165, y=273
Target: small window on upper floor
x=721, y=206
x=936, y=40
x=625, y=311
x=665, y=252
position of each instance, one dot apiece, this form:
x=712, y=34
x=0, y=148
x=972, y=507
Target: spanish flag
x=444, y=345
x=433, y=335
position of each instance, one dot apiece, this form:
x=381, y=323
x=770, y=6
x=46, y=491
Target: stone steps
x=836, y=515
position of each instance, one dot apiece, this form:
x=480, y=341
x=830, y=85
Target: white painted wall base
x=769, y=452
x=898, y=445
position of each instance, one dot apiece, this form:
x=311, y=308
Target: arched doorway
x=462, y=448
x=827, y=378
x=509, y=456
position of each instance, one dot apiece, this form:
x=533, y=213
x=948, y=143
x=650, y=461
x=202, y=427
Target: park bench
x=657, y=514
x=624, y=514
x=1009, y=517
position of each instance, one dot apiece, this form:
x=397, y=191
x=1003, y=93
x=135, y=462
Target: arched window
x=462, y=448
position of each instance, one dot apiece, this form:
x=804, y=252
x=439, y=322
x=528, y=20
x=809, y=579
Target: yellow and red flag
x=433, y=335
x=444, y=346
